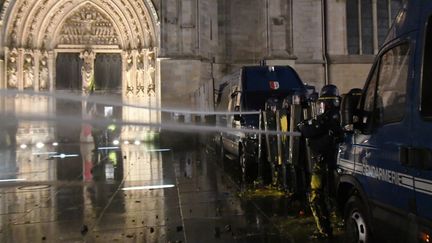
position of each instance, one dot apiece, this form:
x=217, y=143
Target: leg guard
x=318, y=206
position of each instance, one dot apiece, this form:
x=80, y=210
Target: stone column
x=125, y=129
x=158, y=85
x=51, y=82
x=135, y=54
x=124, y=55
x=52, y=58
x=196, y=50
x=2, y=84
x=2, y=74
x=36, y=58
x=375, y=25
x=145, y=82
x=360, y=28
x=20, y=65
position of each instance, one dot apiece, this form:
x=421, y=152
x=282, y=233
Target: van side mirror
x=349, y=112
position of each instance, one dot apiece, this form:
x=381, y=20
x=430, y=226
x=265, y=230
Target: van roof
x=268, y=78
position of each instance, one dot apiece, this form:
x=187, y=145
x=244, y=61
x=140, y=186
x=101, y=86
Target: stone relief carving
x=87, y=71
x=140, y=75
x=43, y=71
x=4, y=8
x=88, y=26
x=12, y=69
x=119, y=21
x=147, y=37
x=13, y=38
x=28, y=70
x=29, y=41
x=151, y=88
x=43, y=17
x=129, y=74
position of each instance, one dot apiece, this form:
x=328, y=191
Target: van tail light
x=425, y=237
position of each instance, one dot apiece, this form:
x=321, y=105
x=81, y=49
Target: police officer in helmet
x=323, y=133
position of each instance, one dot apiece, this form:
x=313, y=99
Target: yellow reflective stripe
x=284, y=126
x=328, y=98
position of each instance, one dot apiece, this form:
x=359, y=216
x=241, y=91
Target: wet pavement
x=76, y=192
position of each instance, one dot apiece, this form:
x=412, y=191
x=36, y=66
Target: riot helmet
x=329, y=99
x=330, y=90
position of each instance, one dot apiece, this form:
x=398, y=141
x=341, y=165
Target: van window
x=426, y=97
x=370, y=93
x=391, y=92
x=369, y=98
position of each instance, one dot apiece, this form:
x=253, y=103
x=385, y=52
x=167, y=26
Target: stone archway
x=35, y=31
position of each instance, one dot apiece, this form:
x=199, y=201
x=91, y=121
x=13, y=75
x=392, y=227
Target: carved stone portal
x=88, y=26
x=12, y=69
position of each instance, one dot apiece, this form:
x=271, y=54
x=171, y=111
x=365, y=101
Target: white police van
x=385, y=162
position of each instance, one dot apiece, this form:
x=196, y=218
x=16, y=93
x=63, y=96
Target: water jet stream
x=96, y=99
x=183, y=127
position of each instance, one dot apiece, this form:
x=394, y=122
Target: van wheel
x=357, y=227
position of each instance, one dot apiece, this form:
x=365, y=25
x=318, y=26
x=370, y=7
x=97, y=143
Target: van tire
x=357, y=221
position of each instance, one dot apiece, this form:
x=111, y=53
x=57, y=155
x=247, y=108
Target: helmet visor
x=321, y=108
x=327, y=104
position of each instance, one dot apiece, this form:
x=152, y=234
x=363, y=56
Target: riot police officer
x=323, y=133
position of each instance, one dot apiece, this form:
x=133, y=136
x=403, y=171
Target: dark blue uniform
x=323, y=134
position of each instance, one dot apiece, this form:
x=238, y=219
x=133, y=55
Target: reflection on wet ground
x=76, y=192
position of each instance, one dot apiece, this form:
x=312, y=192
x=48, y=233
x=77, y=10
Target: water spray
x=170, y=126
x=106, y=101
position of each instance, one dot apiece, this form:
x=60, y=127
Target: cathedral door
x=108, y=74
